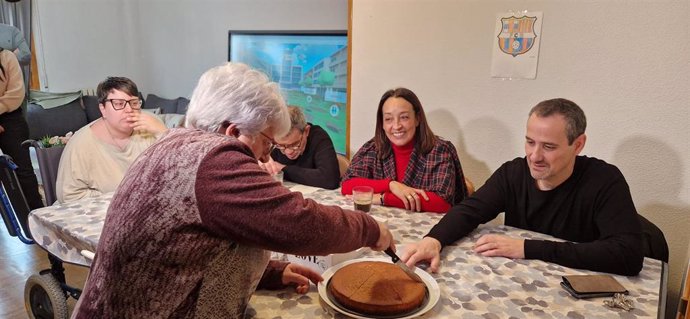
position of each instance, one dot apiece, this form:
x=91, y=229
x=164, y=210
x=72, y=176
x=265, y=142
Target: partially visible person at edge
x=551, y=190
x=13, y=126
x=13, y=40
x=305, y=155
x=190, y=229
x=97, y=156
x=406, y=164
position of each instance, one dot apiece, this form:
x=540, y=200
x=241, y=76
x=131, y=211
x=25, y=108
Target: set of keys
x=619, y=301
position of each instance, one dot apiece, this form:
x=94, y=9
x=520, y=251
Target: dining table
x=470, y=285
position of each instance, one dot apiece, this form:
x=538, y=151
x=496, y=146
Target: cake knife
x=401, y=264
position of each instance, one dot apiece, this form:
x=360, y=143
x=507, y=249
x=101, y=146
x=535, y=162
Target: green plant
x=52, y=141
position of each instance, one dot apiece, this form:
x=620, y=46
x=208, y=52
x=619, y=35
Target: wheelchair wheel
x=44, y=298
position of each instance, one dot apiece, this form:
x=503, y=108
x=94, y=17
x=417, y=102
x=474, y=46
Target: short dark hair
x=575, y=119
x=116, y=83
x=425, y=138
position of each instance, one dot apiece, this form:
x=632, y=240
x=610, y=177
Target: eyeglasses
x=271, y=143
x=292, y=147
x=119, y=104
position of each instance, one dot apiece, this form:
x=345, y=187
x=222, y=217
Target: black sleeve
x=481, y=207
x=618, y=249
x=326, y=173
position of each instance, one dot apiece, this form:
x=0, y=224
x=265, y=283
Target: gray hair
x=575, y=119
x=297, y=120
x=235, y=93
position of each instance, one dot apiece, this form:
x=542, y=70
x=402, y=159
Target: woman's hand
x=2, y=129
x=375, y=200
x=385, y=239
x=411, y=197
x=142, y=121
x=299, y=276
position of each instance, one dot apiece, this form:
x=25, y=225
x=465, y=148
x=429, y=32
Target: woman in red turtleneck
x=406, y=164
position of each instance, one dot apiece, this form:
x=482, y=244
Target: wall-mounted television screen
x=309, y=66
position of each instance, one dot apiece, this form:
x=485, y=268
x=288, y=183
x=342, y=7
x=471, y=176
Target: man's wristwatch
x=382, y=194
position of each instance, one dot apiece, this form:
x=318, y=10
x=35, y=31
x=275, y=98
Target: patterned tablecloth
x=471, y=286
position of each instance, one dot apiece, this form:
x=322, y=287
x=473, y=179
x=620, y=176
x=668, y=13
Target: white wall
x=164, y=46
x=626, y=63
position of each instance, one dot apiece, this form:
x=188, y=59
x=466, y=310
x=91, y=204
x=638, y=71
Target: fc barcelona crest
x=517, y=35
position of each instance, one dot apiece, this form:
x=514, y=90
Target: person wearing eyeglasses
x=188, y=233
x=305, y=155
x=97, y=156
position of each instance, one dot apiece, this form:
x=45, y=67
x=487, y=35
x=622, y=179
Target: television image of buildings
x=311, y=71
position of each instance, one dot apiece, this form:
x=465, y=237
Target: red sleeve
x=435, y=204
x=379, y=185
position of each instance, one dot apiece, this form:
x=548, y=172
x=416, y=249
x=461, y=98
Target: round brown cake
x=376, y=288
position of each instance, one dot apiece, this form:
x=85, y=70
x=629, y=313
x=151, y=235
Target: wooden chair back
x=343, y=164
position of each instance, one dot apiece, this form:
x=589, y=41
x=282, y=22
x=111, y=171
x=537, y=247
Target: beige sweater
x=90, y=167
x=11, y=84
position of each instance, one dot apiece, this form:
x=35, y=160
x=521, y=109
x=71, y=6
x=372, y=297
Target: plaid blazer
x=439, y=171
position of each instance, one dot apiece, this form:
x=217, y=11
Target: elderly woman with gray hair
x=189, y=230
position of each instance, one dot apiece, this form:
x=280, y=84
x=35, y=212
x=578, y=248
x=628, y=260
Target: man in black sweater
x=305, y=155
x=552, y=190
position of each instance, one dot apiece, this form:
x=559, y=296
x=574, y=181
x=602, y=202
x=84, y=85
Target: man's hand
x=411, y=197
x=427, y=249
x=500, y=246
x=300, y=276
x=2, y=129
x=272, y=167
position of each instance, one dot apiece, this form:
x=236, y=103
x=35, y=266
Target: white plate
x=431, y=284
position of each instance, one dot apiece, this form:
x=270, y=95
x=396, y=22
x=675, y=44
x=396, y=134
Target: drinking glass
x=362, y=196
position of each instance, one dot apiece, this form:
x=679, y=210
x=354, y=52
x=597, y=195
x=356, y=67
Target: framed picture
x=310, y=67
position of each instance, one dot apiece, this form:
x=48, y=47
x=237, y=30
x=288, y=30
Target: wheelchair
x=45, y=293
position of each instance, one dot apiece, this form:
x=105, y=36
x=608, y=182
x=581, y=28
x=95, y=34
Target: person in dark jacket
x=552, y=190
x=305, y=155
